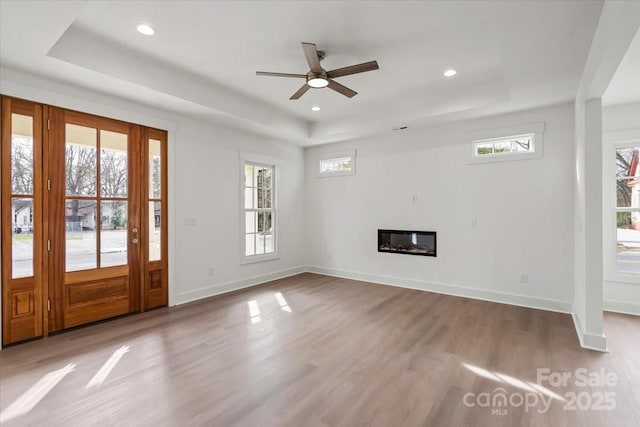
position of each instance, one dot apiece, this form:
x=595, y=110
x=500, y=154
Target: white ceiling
x=203, y=57
x=625, y=85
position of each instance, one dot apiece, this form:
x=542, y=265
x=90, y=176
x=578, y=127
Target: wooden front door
x=94, y=216
x=84, y=209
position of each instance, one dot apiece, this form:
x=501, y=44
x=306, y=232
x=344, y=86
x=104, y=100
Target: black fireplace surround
x=407, y=242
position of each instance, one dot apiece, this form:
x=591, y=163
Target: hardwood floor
x=326, y=352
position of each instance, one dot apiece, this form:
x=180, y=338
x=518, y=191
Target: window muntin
x=259, y=210
x=517, y=144
x=628, y=209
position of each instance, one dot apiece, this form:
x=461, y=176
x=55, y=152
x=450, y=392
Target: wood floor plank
x=333, y=352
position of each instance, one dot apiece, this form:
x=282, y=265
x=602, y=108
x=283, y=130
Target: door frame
x=63, y=282
x=49, y=322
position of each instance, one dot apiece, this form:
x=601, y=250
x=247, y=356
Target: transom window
x=343, y=164
x=504, y=146
x=336, y=164
x=518, y=142
x=259, y=211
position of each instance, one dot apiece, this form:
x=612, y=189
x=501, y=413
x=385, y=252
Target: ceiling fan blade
x=300, y=92
x=311, y=53
x=266, y=73
x=342, y=89
x=353, y=69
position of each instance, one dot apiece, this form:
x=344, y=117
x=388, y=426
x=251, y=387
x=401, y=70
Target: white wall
x=207, y=164
x=620, y=123
x=524, y=212
x=204, y=184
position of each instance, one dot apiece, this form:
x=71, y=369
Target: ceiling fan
x=317, y=77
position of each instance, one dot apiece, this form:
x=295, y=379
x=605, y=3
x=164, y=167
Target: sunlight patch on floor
x=515, y=382
x=282, y=302
x=102, y=374
x=254, y=311
x=30, y=398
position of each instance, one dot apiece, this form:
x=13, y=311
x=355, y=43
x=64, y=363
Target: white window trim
x=613, y=141
x=491, y=135
x=335, y=155
x=266, y=161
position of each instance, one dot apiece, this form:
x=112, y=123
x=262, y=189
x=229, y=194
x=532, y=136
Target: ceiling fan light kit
x=318, y=78
x=317, y=81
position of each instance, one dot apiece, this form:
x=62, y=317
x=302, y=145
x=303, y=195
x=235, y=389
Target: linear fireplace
x=408, y=242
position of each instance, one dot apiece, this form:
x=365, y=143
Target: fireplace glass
x=408, y=242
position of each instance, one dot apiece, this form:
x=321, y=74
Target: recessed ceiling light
x=315, y=108
x=145, y=29
x=450, y=72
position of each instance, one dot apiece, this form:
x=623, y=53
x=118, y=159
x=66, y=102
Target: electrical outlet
x=524, y=278
x=211, y=271
x=474, y=222
x=414, y=198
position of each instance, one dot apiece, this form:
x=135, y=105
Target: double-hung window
x=259, y=211
x=627, y=211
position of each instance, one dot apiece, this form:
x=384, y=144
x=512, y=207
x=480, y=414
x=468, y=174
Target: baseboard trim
x=622, y=307
x=442, y=288
x=223, y=288
x=587, y=340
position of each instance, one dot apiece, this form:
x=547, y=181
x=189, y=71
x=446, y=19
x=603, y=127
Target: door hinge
x=48, y=245
x=48, y=124
x=48, y=185
x=48, y=305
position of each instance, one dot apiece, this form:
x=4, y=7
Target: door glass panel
x=80, y=236
x=113, y=164
x=22, y=238
x=155, y=174
x=113, y=233
x=21, y=154
x=154, y=231
x=80, y=158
